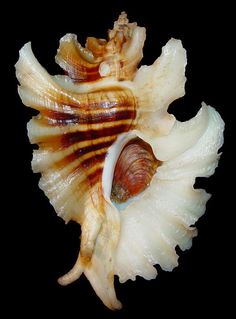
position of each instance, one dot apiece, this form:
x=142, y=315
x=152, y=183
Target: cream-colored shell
x=123, y=240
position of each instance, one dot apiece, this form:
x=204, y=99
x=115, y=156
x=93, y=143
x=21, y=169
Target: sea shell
x=87, y=117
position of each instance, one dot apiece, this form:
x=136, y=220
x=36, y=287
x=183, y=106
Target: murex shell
x=86, y=118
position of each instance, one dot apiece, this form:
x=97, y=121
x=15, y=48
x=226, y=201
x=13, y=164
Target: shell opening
x=134, y=170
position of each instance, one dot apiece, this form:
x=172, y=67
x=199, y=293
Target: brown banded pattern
x=74, y=132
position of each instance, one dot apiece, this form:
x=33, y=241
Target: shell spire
x=118, y=57
x=113, y=159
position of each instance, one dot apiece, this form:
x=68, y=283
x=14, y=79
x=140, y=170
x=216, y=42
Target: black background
x=39, y=247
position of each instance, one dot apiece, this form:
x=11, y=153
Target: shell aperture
x=104, y=135
x=134, y=170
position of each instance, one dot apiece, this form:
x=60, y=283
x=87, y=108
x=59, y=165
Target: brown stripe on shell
x=82, y=151
x=79, y=166
x=100, y=99
x=95, y=177
x=74, y=137
x=76, y=61
x=54, y=118
x=59, y=142
x=88, y=163
x=83, y=74
x=95, y=159
x=60, y=100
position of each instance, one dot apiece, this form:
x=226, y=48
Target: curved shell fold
x=85, y=119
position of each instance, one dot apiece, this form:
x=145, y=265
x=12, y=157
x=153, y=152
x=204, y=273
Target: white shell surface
x=161, y=218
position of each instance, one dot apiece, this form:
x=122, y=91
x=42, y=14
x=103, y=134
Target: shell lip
x=110, y=162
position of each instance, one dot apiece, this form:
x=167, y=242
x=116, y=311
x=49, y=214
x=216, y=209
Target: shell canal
x=134, y=170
